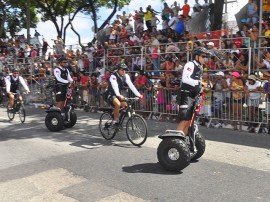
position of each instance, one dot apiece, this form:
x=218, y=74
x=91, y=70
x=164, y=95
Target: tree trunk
x=4, y=17
x=108, y=19
x=79, y=36
x=3, y=23
x=217, y=14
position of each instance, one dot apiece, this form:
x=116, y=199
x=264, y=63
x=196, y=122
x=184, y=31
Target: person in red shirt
x=186, y=9
x=84, y=82
x=238, y=40
x=212, y=63
x=140, y=80
x=168, y=65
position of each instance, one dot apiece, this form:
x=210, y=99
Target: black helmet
x=122, y=65
x=1, y=73
x=15, y=70
x=61, y=58
x=199, y=50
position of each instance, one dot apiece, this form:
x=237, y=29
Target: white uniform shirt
x=57, y=74
x=21, y=81
x=113, y=81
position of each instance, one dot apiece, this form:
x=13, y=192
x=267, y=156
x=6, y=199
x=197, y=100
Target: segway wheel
x=173, y=154
x=54, y=121
x=73, y=120
x=200, y=146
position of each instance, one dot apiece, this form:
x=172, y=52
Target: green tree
x=13, y=17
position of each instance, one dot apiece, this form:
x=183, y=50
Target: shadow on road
x=153, y=168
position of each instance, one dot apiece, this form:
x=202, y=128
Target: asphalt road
x=79, y=165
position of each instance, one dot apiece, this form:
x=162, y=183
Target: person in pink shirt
x=33, y=53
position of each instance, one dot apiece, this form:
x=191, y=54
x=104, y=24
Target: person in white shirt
x=116, y=83
x=173, y=21
x=175, y=8
x=253, y=93
x=154, y=21
x=133, y=37
x=12, y=85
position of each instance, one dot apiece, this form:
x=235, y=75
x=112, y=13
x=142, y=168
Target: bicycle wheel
x=136, y=129
x=10, y=112
x=21, y=113
x=105, y=126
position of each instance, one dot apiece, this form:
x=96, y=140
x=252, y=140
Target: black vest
x=2, y=82
x=120, y=81
x=197, y=72
x=63, y=75
x=14, y=84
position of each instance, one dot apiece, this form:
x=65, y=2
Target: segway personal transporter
x=54, y=120
x=175, y=150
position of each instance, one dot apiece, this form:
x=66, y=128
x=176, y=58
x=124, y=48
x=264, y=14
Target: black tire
x=171, y=162
x=21, y=113
x=105, y=126
x=200, y=145
x=10, y=113
x=54, y=121
x=136, y=129
x=73, y=120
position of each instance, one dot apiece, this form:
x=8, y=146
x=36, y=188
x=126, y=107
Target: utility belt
x=61, y=86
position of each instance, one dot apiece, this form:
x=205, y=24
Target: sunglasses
x=64, y=62
x=203, y=56
x=16, y=73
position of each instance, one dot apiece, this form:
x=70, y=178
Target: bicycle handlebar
x=130, y=99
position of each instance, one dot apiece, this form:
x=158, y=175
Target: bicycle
x=18, y=108
x=136, y=135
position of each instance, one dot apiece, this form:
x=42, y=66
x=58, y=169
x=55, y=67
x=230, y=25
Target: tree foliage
x=13, y=16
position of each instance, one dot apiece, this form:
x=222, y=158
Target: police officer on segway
x=63, y=80
x=180, y=146
x=63, y=114
x=190, y=88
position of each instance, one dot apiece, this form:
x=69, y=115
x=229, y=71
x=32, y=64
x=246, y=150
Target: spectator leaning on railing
x=237, y=87
x=253, y=94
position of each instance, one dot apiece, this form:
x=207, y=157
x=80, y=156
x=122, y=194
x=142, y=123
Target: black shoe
x=116, y=126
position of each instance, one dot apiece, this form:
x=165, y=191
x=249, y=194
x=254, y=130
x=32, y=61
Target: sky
x=83, y=24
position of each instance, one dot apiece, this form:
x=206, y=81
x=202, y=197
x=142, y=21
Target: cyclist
x=190, y=88
x=117, y=81
x=63, y=80
x=12, y=86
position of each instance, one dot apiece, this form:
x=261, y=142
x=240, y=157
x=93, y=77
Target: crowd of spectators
x=155, y=56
